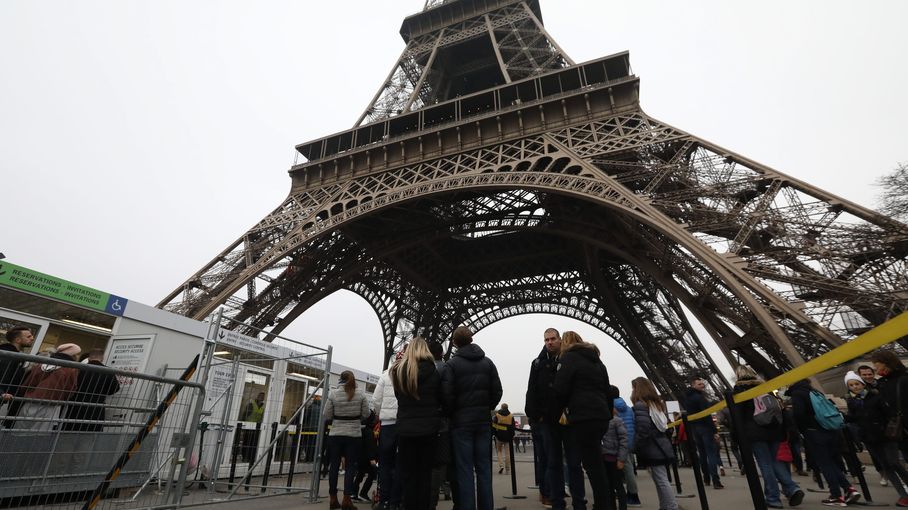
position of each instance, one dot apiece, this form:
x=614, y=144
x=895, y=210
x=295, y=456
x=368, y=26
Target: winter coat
x=651, y=447
x=471, y=387
x=420, y=416
x=889, y=392
x=94, y=388
x=752, y=430
x=627, y=416
x=866, y=416
x=503, y=428
x=11, y=371
x=540, y=398
x=615, y=443
x=581, y=385
x=346, y=415
x=384, y=403
x=51, y=382
x=694, y=402
x=801, y=406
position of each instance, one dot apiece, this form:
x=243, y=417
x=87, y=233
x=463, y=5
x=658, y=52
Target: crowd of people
x=432, y=424
x=46, y=396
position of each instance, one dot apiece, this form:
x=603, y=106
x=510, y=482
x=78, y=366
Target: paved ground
x=735, y=496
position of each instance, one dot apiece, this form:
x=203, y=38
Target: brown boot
x=347, y=504
x=332, y=502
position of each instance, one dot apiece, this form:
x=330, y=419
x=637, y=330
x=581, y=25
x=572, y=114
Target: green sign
x=22, y=278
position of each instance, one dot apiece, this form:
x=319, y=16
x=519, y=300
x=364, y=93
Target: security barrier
x=80, y=435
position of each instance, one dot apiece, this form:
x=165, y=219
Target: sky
x=138, y=139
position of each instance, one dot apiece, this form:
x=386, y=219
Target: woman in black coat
x=417, y=386
x=893, y=388
x=581, y=390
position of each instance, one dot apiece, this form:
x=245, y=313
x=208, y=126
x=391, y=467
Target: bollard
x=727, y=449
x=854, y=465
x=269, y=458
x=747, y=454
x=236, y=440
x=294, y=448
x=254, y=448
x=695, y=462
x=514, y=494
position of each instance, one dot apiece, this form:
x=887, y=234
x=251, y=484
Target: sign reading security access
x=22, y=278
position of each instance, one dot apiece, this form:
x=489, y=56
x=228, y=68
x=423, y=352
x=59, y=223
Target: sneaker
x=852, y=495
x=774, y=505
x=884, y=482
x=831, y=501
x=718, y=485
x=902, y=501
x=633, y=500
x=796, y=498
x=500, y=470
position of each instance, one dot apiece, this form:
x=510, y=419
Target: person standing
x=471, y=389
x=384, y=404
x=91, y=388
x=704, y=432
x=255, y=413
x=442, y=472
x=18, y=339
x=503, y=424
x=346, y=406
x=868, y=376
x=651, y=445
x=554, y=443
x=417, y=386
x=582, y=392
x=50, y=386
x=823, y=446
x=626, y=414
x=893, y=392
x=614, y=454
x=765, y=441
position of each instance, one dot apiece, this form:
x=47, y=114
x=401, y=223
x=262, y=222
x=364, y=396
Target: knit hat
x=851, y=376
x=69, y=349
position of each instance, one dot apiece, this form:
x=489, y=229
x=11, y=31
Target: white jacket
x=384, y=403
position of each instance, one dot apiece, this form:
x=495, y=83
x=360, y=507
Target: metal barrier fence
x=82, y=435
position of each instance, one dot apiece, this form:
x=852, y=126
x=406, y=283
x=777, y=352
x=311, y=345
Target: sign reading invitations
x=129, y=353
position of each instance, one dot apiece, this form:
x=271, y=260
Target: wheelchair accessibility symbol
x=116, y=305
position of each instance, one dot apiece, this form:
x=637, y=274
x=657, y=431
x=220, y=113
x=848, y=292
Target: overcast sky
x=138, y=139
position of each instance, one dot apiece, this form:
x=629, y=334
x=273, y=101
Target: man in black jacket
x=544, y=413
x=704, y=432
x=18, y=339
x=471, y=389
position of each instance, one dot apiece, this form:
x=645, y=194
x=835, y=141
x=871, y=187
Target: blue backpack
x=826, y=414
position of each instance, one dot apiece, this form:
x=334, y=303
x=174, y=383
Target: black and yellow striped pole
x=136, y=443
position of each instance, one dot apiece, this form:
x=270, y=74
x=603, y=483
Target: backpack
x=826, y=414
x=767, y=410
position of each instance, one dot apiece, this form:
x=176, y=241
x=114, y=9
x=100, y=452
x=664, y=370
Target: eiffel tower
x=493, y=176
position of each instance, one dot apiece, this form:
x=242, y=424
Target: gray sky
x=138, y=139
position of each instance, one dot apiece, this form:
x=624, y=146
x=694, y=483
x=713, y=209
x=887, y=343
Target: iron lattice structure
x=491, y=176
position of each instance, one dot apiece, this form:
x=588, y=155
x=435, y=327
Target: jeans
x=708, y=450
x=388, y=472
x=663, y=488
x=417, y=456
x=630, y=478
x=774, y=472
x=347, y=447
x=558, y=445
x=540, y=459
x=588, y=437
x=890, y=465
x=473, y=454
x=826, y=454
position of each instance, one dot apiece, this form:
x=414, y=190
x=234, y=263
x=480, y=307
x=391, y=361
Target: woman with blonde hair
x=651, y=445
x=346, y=406
x=582, y=391
x=417, y=386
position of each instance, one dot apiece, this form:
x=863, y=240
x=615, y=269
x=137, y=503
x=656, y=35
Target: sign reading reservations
x=129, y=354
x=22, y=278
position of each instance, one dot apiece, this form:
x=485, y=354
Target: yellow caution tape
x=877, y=337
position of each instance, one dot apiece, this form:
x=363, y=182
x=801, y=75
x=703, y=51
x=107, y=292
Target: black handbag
x=894, y=430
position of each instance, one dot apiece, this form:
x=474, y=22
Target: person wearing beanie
x=52, y=383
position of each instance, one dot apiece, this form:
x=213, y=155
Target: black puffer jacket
x=540, y=401
x=867, y=416
x=470, y=387
x=752, y=430
x=651, y=446
x=694, y=402
x=581, y=385
x=420, y=417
